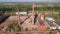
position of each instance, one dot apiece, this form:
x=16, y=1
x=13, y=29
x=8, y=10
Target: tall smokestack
x=18, y=17
x=33, y=13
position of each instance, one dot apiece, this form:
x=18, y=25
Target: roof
x=50, y=23
x=40, y=21
x=50, y=18
x=57, y=22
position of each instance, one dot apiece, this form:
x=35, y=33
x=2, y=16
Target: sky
x=29, y=0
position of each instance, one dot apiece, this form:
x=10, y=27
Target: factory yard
x=41, y=25
x=29, y=19
x=11, y=19
x=27, y=22
x=15, y=18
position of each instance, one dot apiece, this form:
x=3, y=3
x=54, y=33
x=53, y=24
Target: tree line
x=27, y=8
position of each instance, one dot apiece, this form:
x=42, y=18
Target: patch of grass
x=51, y=32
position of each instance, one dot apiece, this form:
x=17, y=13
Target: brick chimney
x=18, y=17
x=33, y=13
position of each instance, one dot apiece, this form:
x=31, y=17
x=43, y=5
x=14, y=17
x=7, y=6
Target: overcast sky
x=29, y=0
